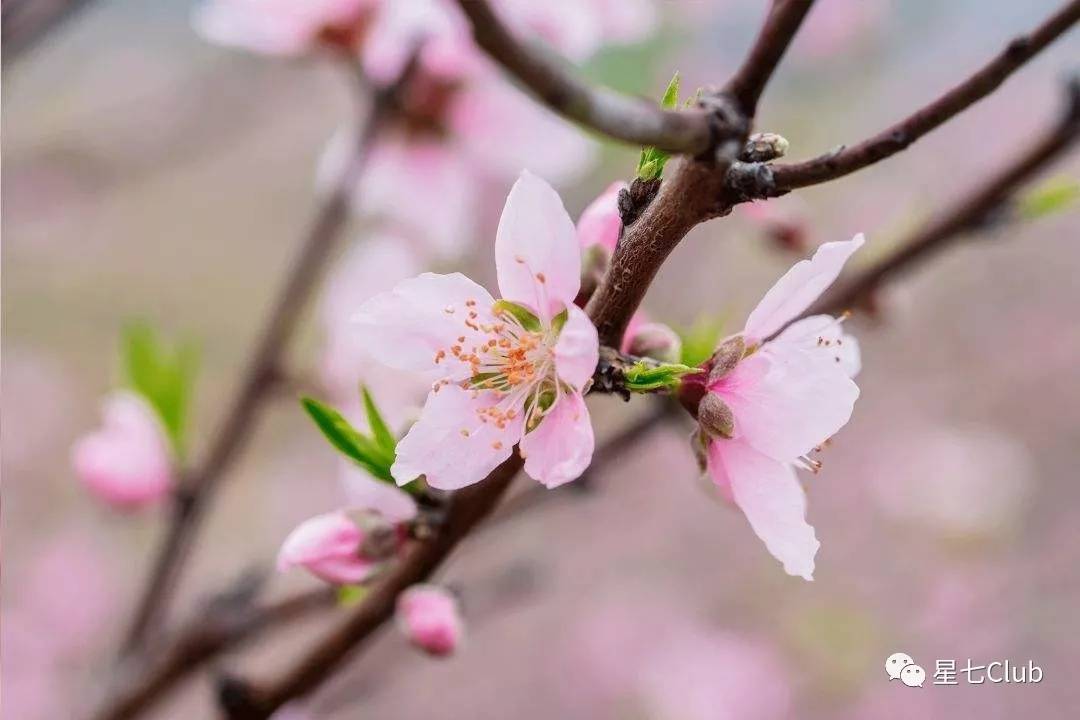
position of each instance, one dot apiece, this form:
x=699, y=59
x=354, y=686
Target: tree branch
x=25, y=22
x=632, y=120
x=211, y=633
x=970, y=213
x=893, y=139
x=196, y=489
x=783, y=21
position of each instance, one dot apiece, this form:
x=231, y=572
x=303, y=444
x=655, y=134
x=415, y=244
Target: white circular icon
x=895, y=664
x=912, y=675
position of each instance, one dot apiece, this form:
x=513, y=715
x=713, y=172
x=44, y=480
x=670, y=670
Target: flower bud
x=600, y=223
x=726, y=357
x=654, y=340
x=763, y=147
x=430, y=617
x=126, y=463
x=342, y=548
x=715, y=417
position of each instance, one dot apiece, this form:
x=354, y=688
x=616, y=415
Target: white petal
x=407, y=327
x=577, y=350
x=769, y=494
x=536, y=251
x=450, y=445
x=787, y=400
x=799, y=287
x=824, y=334
x=369, y=493
x=561, y=447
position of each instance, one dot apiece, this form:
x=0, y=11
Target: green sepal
x=163, y=374
x=645, y=377
x=1047, y=198
x=522, y=314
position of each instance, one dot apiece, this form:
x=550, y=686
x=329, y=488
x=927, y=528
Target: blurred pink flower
x=126, y=463
x=430, y=618
x=600, y=222
x=770, y=402
x=341, y=547
x=505, y=372
x=280, y=27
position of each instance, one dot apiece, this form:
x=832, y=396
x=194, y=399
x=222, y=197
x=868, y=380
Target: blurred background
x=153, y=175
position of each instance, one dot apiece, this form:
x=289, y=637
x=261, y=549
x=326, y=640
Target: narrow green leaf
x=651, y=161
x=383, y=436
x=700, y=340
x=522, y=314
x=671, y=95
x=162, y=374
x=1047, y=198
x=343, y=436
x=642, y=377
x=351, y=595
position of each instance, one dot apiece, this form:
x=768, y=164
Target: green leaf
x=643, y=377
x=1047, y=198
x=652, y=160
x=700, y=340
x=163, y=374
x=364, y=451
x=383, y=436
x=351, y=595
x=522, y=314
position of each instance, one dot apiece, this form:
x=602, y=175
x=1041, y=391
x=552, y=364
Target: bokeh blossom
x=430, y=617
x=342, y=547
x=127, y=462
x=504, y=372
x=770, y=402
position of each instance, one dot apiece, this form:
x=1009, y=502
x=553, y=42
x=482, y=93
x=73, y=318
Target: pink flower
x=342, y=547
x=126, y=463
x=600, y=222
x=644, y=338
x=279, y=27
x=769, y=402
x=505, y=372
x=430, y=618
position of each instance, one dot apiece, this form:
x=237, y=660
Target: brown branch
x=26, y=22
x=211, y=633
x=781, y=24
x=197, y=486
x=893, y=139
x=971, y=213
x=632, y=120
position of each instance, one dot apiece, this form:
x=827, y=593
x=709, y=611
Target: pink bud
x=126, y=462
x=431, y=619
x=339, y=547
x=600, y=223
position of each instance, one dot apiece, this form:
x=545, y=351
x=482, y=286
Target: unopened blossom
x=645, y=338
x=504, y=372
x=342, y=547
x=769, y=403
x=430, y=617
x=127, y=461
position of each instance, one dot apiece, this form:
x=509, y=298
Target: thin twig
x=969, y=213
x=197, y=487
x=26, y=22
x=893, y=139
x=146, y=682
x=632, y=120
x=781, y=24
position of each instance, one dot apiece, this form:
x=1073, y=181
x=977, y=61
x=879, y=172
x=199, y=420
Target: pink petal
x=451, y=444
x=824, y=334
x=798, y=288
x=127, y=462
x=578, y=349
x=430, y=618
x=787, y=400
x=409, y=326
x=323, y=536
x=536, y=251
x=399, y=27
x=529, y=135
x=365, y=491
x=561, y=447
x=769, y=494
x=600, y=222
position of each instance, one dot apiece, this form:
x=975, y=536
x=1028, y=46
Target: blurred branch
x=264, y=370
x=783, y=21
x=973, y=212
x=893, y=139
x=219, y=628
x=632, y=120
x=26, y=22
